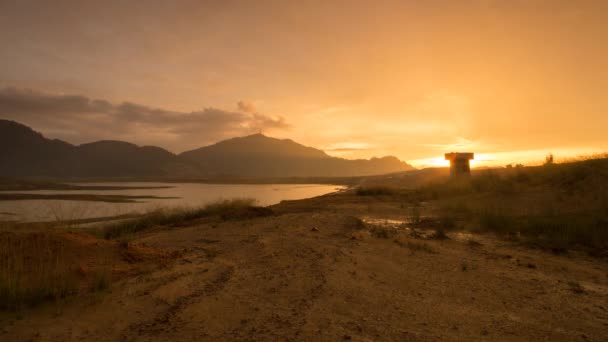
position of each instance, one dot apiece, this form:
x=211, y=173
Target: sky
x=509, y=80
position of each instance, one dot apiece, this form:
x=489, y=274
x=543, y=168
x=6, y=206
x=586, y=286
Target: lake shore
x=69, y=184
x=79, y=197
x=335, y=267
x=117, y=199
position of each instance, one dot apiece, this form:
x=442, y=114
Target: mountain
x=121, y=159
x=261, y=156
x=27, y=153
x=24, y=152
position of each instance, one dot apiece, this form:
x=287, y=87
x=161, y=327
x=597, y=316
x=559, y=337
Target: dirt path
x=320, y=276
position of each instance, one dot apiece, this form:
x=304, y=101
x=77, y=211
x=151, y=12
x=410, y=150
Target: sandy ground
x=311, y=272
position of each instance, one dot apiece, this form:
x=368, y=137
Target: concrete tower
x=459, y=163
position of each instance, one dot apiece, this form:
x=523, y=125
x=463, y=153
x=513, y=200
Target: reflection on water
x=424, y=232
x=384, y=222
x=188, y=194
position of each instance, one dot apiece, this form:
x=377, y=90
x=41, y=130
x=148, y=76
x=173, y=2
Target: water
x=188, y=194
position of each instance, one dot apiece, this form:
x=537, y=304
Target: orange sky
x=509, y=80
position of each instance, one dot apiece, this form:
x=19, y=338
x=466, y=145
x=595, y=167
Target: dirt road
x=320, y=275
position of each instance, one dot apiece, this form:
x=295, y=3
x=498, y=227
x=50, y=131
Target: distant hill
x=27, y=153
x=24, y=152
x=261, y=156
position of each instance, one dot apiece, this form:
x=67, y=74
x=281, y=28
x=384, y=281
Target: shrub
x=353, y=223
x=447, y=222
x=225, y=209
x=414, y=216
x=439, y=234
x=383, y=232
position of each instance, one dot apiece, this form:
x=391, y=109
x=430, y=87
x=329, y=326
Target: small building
x=459, y=163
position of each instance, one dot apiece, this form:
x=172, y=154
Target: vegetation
x=413, y=216
x=382, y=232
x=415, y=246
x=33, y=270
x=554, y=206
x=376, y=190
x=576, y=287
x=102, y=281
x=38, y=262
x=225, y=209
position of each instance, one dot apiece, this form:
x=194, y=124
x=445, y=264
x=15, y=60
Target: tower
x=459, y=163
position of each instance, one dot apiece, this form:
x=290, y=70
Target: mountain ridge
x=25, y=152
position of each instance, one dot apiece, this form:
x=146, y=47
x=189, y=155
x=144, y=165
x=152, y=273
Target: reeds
x=33, y=269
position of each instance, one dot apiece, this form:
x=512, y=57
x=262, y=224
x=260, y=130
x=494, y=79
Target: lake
x=182, y=194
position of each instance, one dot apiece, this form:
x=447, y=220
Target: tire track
x=167, y=321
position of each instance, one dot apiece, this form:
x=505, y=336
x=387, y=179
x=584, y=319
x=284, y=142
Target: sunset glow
x=303, y=170
x=508, y=80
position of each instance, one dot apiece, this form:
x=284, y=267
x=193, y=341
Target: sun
x=431, y=162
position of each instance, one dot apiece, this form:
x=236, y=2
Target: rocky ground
x=313, y=271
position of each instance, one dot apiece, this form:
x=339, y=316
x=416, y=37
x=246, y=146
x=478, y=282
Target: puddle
x=400, y=225
x=462, y=236
x=421, y=232
x=385, y=222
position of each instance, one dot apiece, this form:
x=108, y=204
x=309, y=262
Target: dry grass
x=414, y=246
x=556, y=206
x=39, y=266
x=376, y=190
x=232, y=209
x=33, y=269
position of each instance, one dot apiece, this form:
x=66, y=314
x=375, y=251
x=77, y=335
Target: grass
x=383, y=232
x=413, y=215
x=415, y=246
x=376, y=190
x=576, y=287
x=224, y=209
x=578, y=177
x=552, y=231
x=33, y=270
x=554, y=206
x=102, y=281
x=38, y=263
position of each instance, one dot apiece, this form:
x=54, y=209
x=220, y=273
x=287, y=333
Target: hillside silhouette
x=27, y=153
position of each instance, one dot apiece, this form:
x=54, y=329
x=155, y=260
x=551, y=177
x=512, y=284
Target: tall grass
x=557, y=206
x=33, y=269
x=225, y=209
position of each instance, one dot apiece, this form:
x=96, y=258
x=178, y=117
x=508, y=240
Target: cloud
x=79, y=119
x=348, y=147
x=245, y=106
